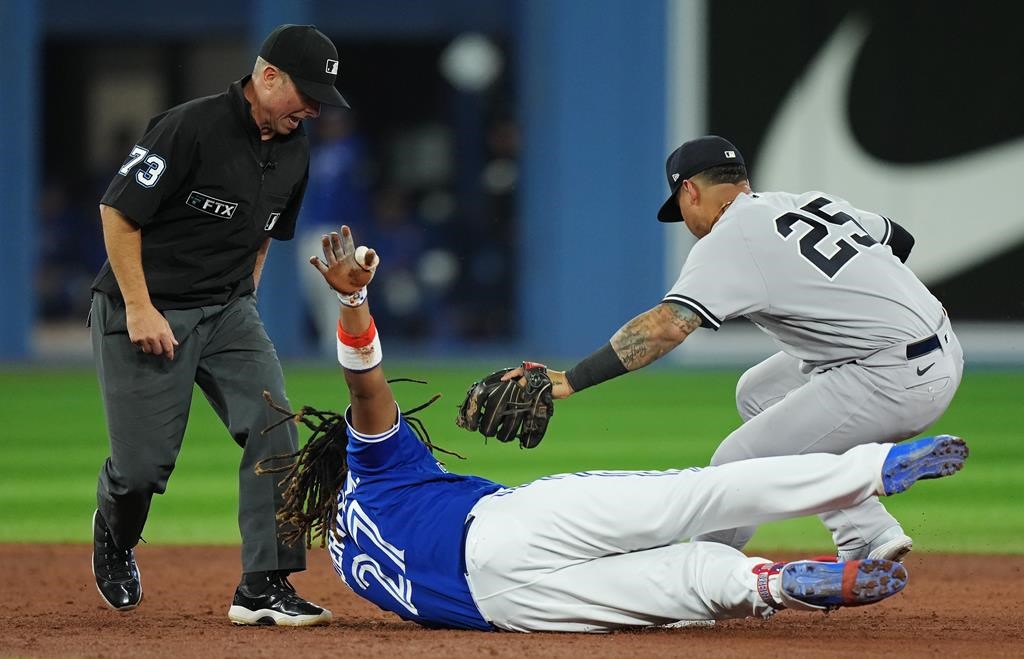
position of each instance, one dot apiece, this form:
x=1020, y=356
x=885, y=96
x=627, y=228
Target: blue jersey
x=401, y=518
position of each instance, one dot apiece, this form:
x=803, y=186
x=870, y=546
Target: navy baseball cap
x=309, y=58
x=690, y=159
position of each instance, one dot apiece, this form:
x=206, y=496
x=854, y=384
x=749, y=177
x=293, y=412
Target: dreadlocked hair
x=315, y=473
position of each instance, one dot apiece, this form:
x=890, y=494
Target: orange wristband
x=358, y=340
x=359, y=352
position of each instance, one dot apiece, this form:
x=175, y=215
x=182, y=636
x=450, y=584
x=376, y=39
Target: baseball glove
x=507, y=410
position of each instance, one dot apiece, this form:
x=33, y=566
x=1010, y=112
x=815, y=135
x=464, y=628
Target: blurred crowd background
x=505, y=157
x=424, y=168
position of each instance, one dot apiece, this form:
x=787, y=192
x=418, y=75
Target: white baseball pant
x=883, y=398
x=598, y=551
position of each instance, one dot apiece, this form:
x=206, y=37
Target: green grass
x=54, y=441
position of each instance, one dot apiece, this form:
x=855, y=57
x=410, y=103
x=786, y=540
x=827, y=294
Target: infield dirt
x=954, y=606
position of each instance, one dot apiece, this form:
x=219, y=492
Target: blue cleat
x=826, y=586
x=928, y=457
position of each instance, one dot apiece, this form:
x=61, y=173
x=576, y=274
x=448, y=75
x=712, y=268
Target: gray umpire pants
x=226, y=351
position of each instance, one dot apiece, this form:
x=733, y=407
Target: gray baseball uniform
x=867, y=351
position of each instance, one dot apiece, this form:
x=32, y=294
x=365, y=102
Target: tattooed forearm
x=652, y=334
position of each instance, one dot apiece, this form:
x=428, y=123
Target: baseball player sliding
x=867, y=352
x=589, y=552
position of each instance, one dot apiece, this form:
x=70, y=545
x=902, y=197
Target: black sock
x=256, y=582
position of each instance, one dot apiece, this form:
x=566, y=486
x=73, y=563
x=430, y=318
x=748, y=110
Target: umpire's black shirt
x=207, y=192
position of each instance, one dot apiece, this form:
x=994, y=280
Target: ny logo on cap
x=675, y=177
x=332, y=67
x=730, y=154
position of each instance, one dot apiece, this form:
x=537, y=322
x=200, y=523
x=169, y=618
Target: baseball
x=361, y=255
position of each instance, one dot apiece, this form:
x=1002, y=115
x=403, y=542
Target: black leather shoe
x=117, y=575
x=274, y=602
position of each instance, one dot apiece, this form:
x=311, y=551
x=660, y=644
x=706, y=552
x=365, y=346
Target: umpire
x=187, y=222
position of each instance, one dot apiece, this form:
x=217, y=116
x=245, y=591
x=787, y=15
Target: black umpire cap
x=309, y=58
x=690, y=159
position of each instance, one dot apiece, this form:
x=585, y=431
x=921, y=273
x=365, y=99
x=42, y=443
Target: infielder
x=867, y=352
x=187, y=222
x=587, y=552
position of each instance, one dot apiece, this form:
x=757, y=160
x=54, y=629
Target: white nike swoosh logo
x=944, y=204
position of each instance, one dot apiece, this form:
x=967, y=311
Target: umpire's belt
x=923, y=347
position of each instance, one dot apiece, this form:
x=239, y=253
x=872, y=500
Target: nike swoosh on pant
x=810, y=146
x=922, y=371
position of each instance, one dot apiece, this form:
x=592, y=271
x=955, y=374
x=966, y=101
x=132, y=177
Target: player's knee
x=747, y=403
x=729, y=451
x=144, y=478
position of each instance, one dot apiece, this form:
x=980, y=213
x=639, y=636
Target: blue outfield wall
x=592, y=102
x=19, y=50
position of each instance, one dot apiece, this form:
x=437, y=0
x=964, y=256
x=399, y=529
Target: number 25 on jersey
x=825, y=233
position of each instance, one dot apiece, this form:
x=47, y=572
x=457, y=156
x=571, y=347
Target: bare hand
x=560, y=387
x=339, y=267
x=148, y=329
